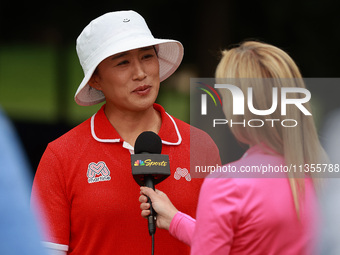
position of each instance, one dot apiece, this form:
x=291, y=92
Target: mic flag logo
x=139, y=163
x=204, y=97
x=155, y=165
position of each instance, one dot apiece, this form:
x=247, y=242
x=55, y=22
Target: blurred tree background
x=40, y=71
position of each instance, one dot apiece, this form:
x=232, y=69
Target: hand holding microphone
x=160, y=203
x=149, y=167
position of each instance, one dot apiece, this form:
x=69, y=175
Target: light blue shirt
x=19, y=233
x=330, y=206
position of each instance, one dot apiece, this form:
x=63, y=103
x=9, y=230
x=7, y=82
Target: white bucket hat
x=117, y=32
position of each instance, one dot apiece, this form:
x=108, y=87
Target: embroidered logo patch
x=98, y=172
x=182, y=172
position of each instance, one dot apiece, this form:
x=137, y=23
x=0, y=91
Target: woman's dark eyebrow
x=146, y=48
x=119, y=55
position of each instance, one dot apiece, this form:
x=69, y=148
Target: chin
x=140, y=105
x=144, y=106
x=145, y=103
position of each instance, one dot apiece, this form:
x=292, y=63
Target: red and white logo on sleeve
x=98, y=172
x=182, y=172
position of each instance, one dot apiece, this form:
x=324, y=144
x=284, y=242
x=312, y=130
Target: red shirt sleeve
x=50, y=193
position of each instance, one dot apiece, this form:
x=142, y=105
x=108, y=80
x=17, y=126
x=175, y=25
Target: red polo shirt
x=90, y=199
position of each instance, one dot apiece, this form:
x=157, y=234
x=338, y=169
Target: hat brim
x=170, y=55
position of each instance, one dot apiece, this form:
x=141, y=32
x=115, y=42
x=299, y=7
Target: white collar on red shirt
x=103, y=131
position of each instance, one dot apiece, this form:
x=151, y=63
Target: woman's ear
x=94, y=81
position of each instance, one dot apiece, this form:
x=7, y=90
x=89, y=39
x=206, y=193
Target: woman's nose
x=139, y=72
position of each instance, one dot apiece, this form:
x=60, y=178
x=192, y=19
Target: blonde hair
x=263, y=66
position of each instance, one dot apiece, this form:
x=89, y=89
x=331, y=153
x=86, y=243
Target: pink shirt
x=250, y=215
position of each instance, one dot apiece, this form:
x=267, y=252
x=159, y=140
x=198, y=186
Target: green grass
x=28, y=86
x=27, y=82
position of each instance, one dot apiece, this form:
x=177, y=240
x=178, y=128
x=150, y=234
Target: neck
x=129, y=124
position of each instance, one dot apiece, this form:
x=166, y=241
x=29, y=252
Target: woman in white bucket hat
x=115, y=33
x=84, y=182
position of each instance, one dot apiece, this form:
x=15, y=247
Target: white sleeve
x=55, y=249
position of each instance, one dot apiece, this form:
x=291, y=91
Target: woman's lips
x=142, y=90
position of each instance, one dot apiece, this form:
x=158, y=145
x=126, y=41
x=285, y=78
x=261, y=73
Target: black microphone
x=149, y=167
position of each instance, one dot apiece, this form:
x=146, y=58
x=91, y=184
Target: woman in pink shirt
x=248, y=212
